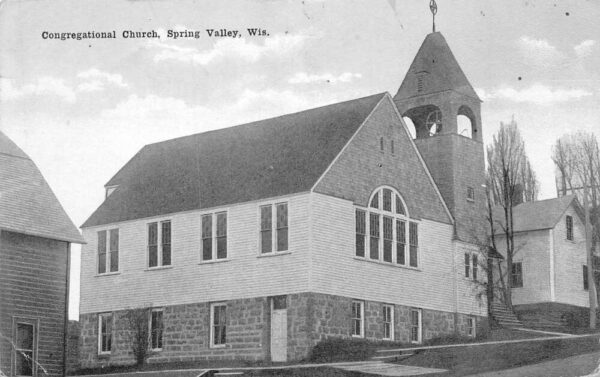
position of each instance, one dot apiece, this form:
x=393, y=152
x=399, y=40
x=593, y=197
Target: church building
x=257, y=241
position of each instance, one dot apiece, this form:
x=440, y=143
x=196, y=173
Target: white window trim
x=392, y=322
x=212, y=328
x=159, y=245
x=32, y=321
x=420, y=332
x=362, y=319
x=214, y=258
x=108, y=254
x=100, y=316
x=395, y=217
x=274, y=251
x=162, y=310
x=522, y=276
x=473, y=327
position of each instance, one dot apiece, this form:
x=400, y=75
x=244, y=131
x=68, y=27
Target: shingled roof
x=268, y=158
x=529, y=216
x=27, y=204
x=436, y=61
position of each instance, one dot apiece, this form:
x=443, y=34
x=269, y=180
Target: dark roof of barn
x=268, y=158
x=542, y=214
x=27, y=203
x=436, y=60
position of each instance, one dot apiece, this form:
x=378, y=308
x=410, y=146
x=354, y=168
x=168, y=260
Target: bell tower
x=446, y=112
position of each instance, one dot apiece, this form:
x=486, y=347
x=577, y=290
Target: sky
x=82, y=108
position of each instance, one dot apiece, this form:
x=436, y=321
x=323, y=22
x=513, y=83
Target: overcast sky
x=82, y=109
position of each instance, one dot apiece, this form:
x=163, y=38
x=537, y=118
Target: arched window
x=411, y=127
x=465, y=121
x=384, y=232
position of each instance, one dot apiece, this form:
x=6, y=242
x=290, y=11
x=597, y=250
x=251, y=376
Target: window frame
x=471, y=327
x=108, y=253
x=470, y=194
x=214, y=216
x=375, y=211
x=212, y=343
x=274, y=230
x=519, y=274
x=419, y=312
x=569, y=228
x=110, y=318
x=161, y=329
x=390, y=321
x=159, y=244
x=35, y=325
x=360, y=320
x=586, y=284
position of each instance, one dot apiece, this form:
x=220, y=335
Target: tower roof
x=439, y=69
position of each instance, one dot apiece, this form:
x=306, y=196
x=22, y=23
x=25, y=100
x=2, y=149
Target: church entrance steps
x=504, y=316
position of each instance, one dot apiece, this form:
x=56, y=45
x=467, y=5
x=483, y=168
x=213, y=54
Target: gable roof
x=436, y=61
x=268, y=158
x=529, y=216
x=27, y=203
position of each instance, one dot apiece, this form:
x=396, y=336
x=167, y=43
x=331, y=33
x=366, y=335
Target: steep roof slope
x=528, y=216
x=27, y=203
x=268, y=158
x=436, y=61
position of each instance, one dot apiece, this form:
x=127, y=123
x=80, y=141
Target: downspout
x=552, y=272
x=66, y=321
x=455, y=285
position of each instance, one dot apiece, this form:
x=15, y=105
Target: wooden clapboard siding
x=244, y=275
x=336, y=271
x=570, y=256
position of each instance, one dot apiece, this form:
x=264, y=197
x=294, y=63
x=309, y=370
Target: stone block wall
x=311, y=317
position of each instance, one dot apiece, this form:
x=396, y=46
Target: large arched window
x=384, y=232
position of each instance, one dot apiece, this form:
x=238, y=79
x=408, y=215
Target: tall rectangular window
x=414, y=244
x=471, y=327
x=218, y=328
x=102, y=251
x=569, y=224
x=266, y=232
x=387, y=200
x=388, y=322
x=152, y=244
x=24, y=350
x=374, y=236
x=516, y=275
x=221, y=235
x=114, y=250
x=357, y=319
x=159, y=244
x=400, y=242
x=156, y=329
x=585, y=278
x=207, y=239
x=388, y=238
x=282, y=226
x=361, y=228
x=415, y=325
x=475, y=267
x=166, y=242
x=104, y=333
x=467, y=265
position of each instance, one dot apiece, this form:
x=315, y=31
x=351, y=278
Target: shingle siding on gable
x=245, y=275
x=570, y=256
x=33, y=282
x=357, y=171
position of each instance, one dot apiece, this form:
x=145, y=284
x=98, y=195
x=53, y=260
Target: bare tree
x=510, y=181
x=577, y=159
x=138, y=326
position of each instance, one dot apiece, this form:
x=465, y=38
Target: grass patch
x=470, y=360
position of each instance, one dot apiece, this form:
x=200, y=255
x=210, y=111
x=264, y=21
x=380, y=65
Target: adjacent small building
x=35, y=239
x=549, y=272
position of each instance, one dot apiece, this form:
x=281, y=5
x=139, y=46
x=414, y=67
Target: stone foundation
x=311, y=317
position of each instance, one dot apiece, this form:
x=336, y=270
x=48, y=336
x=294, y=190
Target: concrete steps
x=504, y=316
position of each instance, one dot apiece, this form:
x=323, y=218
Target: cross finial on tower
x=433, y=8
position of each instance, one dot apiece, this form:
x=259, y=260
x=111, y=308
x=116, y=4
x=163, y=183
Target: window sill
x=390, y=264
x=358, y=336
x=470, y=200
x=274, y=254
x=219, y=346
x=212, y=261
x=104, y=355
x=108, y=274
x=158, y=268
x=156, y=349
